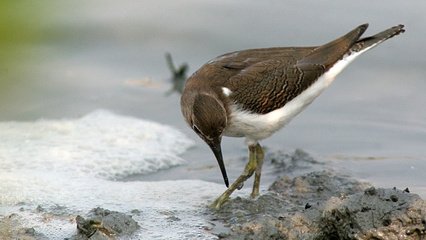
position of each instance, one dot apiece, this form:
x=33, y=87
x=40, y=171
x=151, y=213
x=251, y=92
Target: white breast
x=256, y=127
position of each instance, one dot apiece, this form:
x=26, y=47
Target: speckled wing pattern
x=270, y=84
x=266, y=79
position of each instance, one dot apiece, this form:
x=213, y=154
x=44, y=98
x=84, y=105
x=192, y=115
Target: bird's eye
x=196, y=130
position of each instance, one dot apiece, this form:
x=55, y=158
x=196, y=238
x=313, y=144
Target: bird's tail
x=369, y=42
x=328, y=54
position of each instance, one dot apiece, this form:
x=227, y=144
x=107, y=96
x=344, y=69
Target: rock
x=388, y=214
x=104, y=224
x=11, y=228
x=323, y=205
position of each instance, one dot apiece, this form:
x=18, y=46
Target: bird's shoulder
x=236, y=65
x=240, y=60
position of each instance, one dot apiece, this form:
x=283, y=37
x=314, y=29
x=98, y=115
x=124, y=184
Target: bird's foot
x=218, y=203
x=254, y=193
x=240, y=186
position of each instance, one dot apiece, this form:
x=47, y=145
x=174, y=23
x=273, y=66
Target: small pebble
x=370, y=191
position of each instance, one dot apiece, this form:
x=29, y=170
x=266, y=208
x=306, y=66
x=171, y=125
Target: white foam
x=101, y=144
x=157, y=202
x=70, y=164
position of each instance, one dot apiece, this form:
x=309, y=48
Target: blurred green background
x=23, y=25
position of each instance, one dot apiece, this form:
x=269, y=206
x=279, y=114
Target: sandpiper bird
x=253, y=93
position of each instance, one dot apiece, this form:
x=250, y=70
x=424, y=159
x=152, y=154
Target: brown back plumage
x=262, y=80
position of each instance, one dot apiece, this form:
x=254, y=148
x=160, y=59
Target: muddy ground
x=313, y=205
x=321, y=205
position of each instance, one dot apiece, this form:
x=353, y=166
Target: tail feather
x=328, y=54
x=369, y=42
x=357, y=47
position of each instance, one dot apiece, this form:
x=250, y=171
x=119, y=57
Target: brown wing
x=269, y=85
x=279, y=76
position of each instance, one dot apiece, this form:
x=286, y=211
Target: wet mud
x=306, y=203
x=322, y=205
x=11, y=228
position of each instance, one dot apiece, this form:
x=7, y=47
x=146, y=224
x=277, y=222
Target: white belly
x=256, y=127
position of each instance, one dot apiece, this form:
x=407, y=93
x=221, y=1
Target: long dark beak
x=217, y=150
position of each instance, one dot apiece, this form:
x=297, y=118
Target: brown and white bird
x=253, y=93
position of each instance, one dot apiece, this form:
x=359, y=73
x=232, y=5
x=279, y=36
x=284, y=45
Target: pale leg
x=258, y=172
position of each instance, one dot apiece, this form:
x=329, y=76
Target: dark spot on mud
x=370, y=191
x=394, y=198
x=386, y=222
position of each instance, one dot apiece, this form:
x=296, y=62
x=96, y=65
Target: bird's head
x=206, y=115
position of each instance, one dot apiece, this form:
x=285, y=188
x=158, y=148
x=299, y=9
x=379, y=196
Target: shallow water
x=370, y=123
